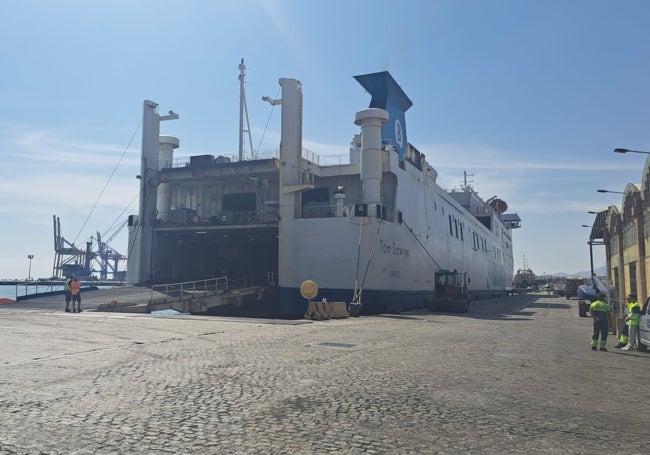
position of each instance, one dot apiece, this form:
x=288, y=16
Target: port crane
x=97, y=257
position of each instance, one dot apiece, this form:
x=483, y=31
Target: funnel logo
x=398, y=134
x=388, y=95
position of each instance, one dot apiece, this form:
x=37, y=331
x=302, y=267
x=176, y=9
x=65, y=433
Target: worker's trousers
x=601, y=328
x=634, y=330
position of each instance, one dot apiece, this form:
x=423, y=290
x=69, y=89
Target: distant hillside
x=600, y=271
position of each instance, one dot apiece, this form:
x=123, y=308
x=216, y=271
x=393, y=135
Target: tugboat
x=524, y=278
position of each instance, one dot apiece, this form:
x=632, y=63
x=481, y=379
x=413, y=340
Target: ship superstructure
x=373, y=225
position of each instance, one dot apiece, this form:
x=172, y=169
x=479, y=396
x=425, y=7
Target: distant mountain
x=600, y=271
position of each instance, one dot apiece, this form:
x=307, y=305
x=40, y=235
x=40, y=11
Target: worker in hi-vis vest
x=67, y=290
x=632, y=320
x=75, y=288
x=599, y=310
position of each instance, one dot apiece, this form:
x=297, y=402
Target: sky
x=528, y=98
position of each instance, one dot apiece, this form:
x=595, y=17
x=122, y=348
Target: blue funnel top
x=387, y=95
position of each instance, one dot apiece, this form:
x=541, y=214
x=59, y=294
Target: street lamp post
x=29, y=273
x=591, y=244
x=610, y=191
x=630, y=151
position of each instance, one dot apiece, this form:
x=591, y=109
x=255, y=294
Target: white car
x=644, y=327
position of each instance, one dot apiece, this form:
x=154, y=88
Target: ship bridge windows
x=315, y=203
x=317, y=196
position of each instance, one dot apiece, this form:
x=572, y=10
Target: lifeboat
x=499, y=205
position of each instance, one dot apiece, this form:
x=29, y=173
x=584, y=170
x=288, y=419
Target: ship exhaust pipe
x=371, y=122
x=166, y=146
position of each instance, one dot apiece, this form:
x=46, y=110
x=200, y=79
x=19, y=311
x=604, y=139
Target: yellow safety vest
x=633, y=315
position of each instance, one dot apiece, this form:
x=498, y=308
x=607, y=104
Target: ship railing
x=266, y=216
x=252, y=280
x=318, y=211
x=329, y=211
x=265, y=154
x=246, y=217
x=330, y=160
x=482, y=210
x=176, y=292
x=187, y=290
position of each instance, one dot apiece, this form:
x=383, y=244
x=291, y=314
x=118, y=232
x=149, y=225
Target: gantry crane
x=71, y=260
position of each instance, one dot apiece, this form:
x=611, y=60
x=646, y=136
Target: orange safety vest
x=76, y=287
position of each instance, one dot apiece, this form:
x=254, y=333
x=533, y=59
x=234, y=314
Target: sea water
x=11, y=291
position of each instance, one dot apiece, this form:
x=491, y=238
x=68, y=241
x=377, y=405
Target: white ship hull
x=399, y=260
x=376, y=226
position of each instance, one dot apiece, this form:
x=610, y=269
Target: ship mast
x=467, y=186
x=243, y=112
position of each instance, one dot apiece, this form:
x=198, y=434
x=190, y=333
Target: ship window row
x=480, y=243
x=457, y=228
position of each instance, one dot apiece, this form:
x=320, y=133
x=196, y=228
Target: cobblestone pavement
x=514, y=375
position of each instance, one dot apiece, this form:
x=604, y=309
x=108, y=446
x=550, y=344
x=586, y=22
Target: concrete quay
x=514, y=375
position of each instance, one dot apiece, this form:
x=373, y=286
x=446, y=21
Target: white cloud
x=456, y=156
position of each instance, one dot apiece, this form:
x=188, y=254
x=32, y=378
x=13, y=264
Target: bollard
x=354, y=309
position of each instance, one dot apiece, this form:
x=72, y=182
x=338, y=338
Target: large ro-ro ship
x=371, y=226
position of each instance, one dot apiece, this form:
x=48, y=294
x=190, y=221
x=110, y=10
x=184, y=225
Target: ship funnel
x=291, y=128
x=371, y=122
x=166, y=146
x=389, y=96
